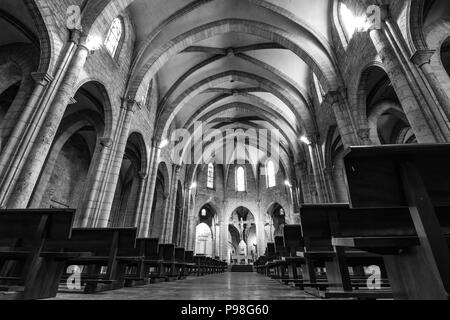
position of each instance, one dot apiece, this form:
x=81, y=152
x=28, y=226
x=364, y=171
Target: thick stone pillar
x=170, y=209
x=8, y=147
x=112, y=169
x=261, y=237
x=424, y=122
x=143, y=176
x=422, y=59
x=87, y=207
x=301, y=169
x=145, y=216
x=347, y=127
x=183, y=216
x=328, y=174
x=224, y=240
x=317, y=170
x=29, y=175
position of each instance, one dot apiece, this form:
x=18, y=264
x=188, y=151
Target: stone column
x=184, y=215
x=141, y=196
x=7, y=152
x=170, y=209
x=114, y=164
x=342, y=112
x=217, y=237
x=29, y=175
x=422, y=59
x=144, y=223
x=261, y=237
x=91, y=201
x=328, y=174
x=301, y=169
x=421, y=119
x=224, y=240
x=316, y=166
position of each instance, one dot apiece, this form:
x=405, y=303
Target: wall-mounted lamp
x=164, y=143
x=305, y=140
x=93, y=43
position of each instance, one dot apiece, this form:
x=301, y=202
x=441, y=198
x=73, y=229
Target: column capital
x=142, y=175
x=313, y=138
x=421, y=57
x=302, y=165
x=130, y=104
x=106, y=142
x=376, y=14
x=364, y=135
x=75, y=36
x=42, y=78
x=156, y=142
x=336, y=96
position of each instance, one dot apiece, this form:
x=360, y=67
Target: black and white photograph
x=217, y=158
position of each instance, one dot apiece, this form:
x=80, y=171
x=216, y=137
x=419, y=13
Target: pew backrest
x=180, y=254
x=30, y=225
x=293, y=238
x=167, y=252
x=148, y=247
x=374, y=174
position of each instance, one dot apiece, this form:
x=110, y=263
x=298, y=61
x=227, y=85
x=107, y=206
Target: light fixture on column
x=305, y=140
x=288, y=184
x=164, y=143
x=93, y=43
x=193, y=185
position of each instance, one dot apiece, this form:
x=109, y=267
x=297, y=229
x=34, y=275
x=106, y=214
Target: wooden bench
x=278, y=265
x=167, y=256
x=191, y=266
x=143, y=263
x=27, y=271
x=106, y=256
x=294, y=244
x=317, y=223
x=415, y=178
x=180, y=263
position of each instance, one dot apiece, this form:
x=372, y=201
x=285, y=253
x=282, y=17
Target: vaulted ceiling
x=235, y=63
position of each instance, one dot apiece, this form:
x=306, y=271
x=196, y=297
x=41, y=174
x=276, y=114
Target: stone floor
x=228, y=286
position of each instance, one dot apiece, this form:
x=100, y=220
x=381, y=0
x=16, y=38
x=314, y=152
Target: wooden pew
x=27, y=270
x=294, y=246
x=191, y=266
x=270, y=257
x=180, y=263
x=167, y=255
x=104, y=247
x=318, y=226
x=277, y=267
x=416, y=178
x=143, y=263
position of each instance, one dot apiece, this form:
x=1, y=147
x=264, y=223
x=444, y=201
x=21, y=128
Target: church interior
x=224, y=149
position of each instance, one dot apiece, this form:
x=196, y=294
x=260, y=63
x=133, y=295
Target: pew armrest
x=377, y=242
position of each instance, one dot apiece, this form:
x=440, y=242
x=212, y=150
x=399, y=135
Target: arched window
x=349, y=21
x=210, y=183
x=270, y=174
x=114, y=36
x=240, y=179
